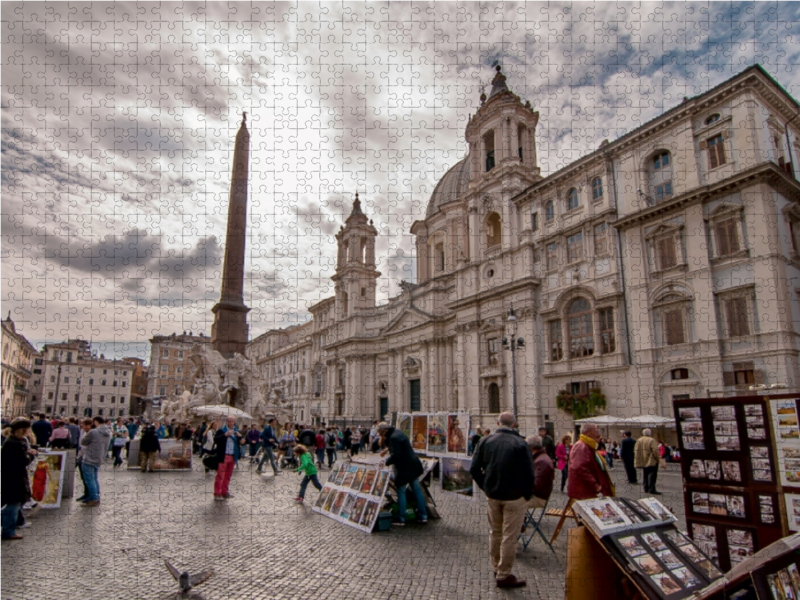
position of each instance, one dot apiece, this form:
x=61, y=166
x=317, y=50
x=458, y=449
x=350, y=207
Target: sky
x=118, y=122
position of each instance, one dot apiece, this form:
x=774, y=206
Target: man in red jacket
x=588, y=473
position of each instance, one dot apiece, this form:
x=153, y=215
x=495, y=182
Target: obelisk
x=229, y=332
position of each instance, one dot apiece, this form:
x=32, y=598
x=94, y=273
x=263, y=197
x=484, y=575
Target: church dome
x=450, y=187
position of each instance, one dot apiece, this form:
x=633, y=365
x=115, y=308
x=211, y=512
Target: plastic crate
x=384, y=522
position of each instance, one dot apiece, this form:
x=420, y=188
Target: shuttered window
x=665, y=253
x=607, y=330
x=673, y=326
x=736, y=315
x=716, y=152
x=727, y=237
x=556, y=341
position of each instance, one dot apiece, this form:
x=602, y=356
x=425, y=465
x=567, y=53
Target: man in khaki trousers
x=502, y=466
x=646, y=457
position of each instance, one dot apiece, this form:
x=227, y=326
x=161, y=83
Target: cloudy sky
x=118, y=123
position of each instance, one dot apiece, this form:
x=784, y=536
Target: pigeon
x=186, y=581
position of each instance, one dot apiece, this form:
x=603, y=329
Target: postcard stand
x=733, y=457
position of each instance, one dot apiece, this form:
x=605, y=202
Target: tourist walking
x=347, y=441
x=407, y=470
x=42, y=429
x=117, y=445
x=308, y=469
x=562, y=459
x=74, y=431
x=253, y=439
x=502, y=466
x=149, y=448
x=626, y=455
x=646, y=457
x=588, y=473
x=330, y=446
x=208, y=440
x=95, y=443
x=269, y=440
x=227, y=441
x=15, y=488
x=319, y=445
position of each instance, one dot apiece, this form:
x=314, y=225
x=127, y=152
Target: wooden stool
x=567, y=512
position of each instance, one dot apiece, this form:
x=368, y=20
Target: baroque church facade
x=663, y=265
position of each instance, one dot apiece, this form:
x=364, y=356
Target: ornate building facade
x=15, y=374
x=664, y=264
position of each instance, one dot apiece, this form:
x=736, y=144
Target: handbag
x=211, y=462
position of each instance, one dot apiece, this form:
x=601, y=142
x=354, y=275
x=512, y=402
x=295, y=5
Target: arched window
x=712, y=119
x=597, y=188
x=494, y=230
x=572, y=199
x=488, y=144
x=549, y=211
x=494, y=398
x=581, y=334
x=345, y=307
x=521, y=129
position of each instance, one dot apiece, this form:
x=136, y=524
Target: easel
x=567, y=512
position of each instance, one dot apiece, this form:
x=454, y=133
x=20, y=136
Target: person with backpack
x=320, y=446
x=269, y=441
x=307, y=467
x=149, y=448
x=330, y=446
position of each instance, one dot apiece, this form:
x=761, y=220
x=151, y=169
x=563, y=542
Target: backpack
x=331, y=439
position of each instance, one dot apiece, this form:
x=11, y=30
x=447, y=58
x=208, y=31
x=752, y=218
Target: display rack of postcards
x=641, y=537
x=354, y=495
x=729, y=477
x=785, y=413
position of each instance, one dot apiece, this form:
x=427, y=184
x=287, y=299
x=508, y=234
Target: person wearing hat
x=16, y=487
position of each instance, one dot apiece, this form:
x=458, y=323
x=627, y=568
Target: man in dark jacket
x=548, y=444
x=502, y=466
x=149, y=448
x=269, y=440
x=407, y=470
x=15, y=487
x=543, y=470
x=626, y=453
x=42, y=429
x=307, y=437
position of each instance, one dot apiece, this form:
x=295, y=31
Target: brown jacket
x=645, y=452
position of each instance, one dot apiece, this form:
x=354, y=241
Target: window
x=66, y=379
x=600, y=239
x=438, y=253
x=111, y=412
x=712, y=119
x=552, y=256
x=794, y=232
x=115, y=383
x=665, y=253
x=121, y=399
x=736, y=316
x=726, y=235
x=89, y=398
x=672, y=315
x=414, y=395
x=162, y=390
x=521, y=130
x=660, y=161
x=124, y=384
x=78, y=381
x=102, y=382
x=165, y=353
x=556, y=346
x=679, y=374
x=100, y=412
x=91, y=381
x=494, y=230
x=180, y=353
x=105, y=371
x=113, y=399
x=744, y=374
x=49, y=396
x=663, y=191
x=549, y=211
x=121, y=412
x=116, y=372
x=581, y=337
x=488, y=144
x=582, y=387
x=52, y=378
x=164, y=369
x=597, y=188
x=716, y=151
x=179, y=369
x=102, y=398
x=77, y=397
x=607, y=337
x=572, y=199
x=494, y=398
x=535, y=221
x=493, y=348
x=69, y=357
x=341, y=377
x=575, y=248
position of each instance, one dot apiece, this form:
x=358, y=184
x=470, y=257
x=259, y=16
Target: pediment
x=410, y=317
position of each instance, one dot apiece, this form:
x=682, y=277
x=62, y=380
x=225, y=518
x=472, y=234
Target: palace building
x=663, y=265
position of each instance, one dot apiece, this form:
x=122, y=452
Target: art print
x=713, y=471
x=759, y=452
x=756, y=433
x=339, y=502
x=794, y=575
x=735, y=506
x=456, y=477
x=632, y=546
x=753, y=410
x=46, y=474
x=350, y=476
x=370, y=514
x=358, y=510
x=369, y=481
x=685, y=578
x=740, y=545
x=723, y=413
x=456, y=434
x=718, y=504
x=692, y=553
x=648, y=564
x=755, y=421
x=358, y=479
x=689, y=413
x=437, y=433
x=676, y=538
x=323, y=496
x=347, y=506
x=382, y=482
x=731, y=471
x=730, y=444
x=668, y=559
x=666, y=583
x=404, y=424
x=693, y=442
x=697, y=469
x=792, y=503
x=419, y=432
x=654, y=541
x=700, y=503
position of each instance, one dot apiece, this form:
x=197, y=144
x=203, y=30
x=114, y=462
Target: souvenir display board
x=354, y=495
x=175, y=455
x=605, y=516
x=46, y=473
x=437, y=434
x=785, y=413
x=731, y=486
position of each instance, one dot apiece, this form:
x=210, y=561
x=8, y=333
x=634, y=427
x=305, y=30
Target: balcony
x=25, y=371
x=19, y=389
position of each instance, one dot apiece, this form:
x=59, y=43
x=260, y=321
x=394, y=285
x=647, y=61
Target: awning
x=600, y=420
x=639, y=421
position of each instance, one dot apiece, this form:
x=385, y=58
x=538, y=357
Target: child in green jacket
x=307, y=467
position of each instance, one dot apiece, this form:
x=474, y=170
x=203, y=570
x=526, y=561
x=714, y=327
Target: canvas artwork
x=457, y=433
x=404, y=424
x=46, y=474
x=419, y=432
x=456, y=477
x=437, y=433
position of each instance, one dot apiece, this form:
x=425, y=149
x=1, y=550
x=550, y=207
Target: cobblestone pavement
x=264, y=546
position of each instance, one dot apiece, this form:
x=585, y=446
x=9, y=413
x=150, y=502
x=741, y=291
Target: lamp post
x=513, y=342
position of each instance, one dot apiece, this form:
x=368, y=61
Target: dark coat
x=221, y=444
x=149, y=441
x=502, y=466
x=407, y=464
x=626, y=447
x=308, y=438
x=16, y=487
x=544, y=475
x=42, y=430
x=549, y=446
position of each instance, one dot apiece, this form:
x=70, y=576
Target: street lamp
x=513, y=343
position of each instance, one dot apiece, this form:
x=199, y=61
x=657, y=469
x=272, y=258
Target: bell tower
x=356, y=276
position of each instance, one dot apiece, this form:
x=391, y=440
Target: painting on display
x=437, y=433
x=457, y=434
x=456, y=477
x=419, y=432
x=353, y=495
x=404, y=425
x=47, y=478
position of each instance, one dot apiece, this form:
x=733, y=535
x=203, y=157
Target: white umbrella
x=222, y=410
x=599, y=420
x=649, y=421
